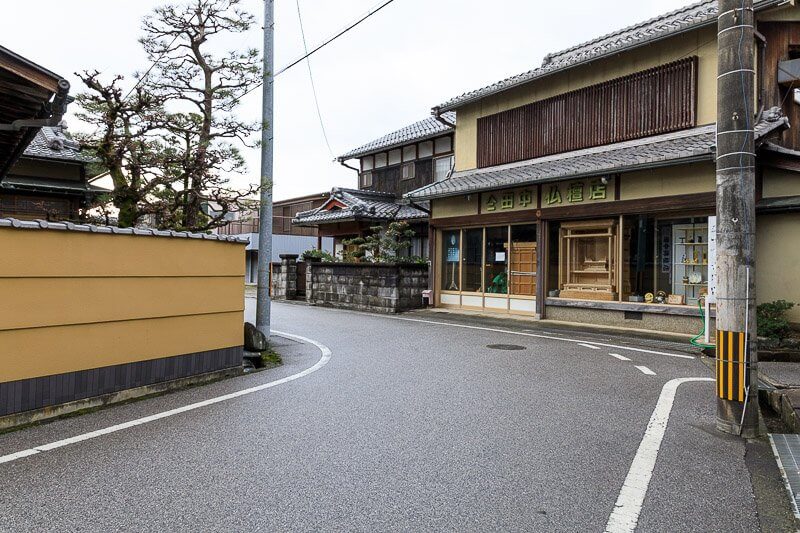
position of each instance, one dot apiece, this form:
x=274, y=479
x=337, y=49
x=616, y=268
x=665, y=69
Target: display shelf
x=690, y=269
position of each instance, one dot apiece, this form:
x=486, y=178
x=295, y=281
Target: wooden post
x=737, y=379
x=541, y=258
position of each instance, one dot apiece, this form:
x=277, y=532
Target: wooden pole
x=736, y=364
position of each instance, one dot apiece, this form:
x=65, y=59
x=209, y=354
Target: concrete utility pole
x=737, y=382
x=265, y=212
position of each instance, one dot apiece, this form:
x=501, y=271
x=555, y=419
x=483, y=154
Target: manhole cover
x=505, y=347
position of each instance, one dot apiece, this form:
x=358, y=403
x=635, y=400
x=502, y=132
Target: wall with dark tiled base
x=35, y=393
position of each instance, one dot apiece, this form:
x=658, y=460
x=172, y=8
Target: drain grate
x=505, y=347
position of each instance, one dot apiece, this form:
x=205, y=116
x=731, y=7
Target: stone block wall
x=366, y=287
x=284, y=278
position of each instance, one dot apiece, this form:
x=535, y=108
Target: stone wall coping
x=113, y=230
x=371, y=265
x=288, y=256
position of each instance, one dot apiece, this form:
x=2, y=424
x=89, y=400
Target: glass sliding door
x=496, y=264
x=451, y=260
x=472, y=260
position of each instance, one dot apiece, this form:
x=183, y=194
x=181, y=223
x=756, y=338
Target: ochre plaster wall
x=76, y=301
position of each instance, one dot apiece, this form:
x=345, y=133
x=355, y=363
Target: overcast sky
x=386, y=73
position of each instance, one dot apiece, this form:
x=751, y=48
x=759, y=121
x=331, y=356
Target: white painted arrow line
x=629, y=502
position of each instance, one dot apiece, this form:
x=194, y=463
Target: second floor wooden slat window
x=650, y=102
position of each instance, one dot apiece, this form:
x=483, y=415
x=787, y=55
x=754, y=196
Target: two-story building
x=584, y=190
x=402, y=161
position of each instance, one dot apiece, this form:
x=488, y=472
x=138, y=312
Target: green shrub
x=771, y=319
x=318, y=255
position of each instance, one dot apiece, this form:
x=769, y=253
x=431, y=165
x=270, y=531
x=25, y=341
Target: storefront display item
x=648, y=298
x=660, y=298
x=675, y=299
x=588, y=260
x=690, y=273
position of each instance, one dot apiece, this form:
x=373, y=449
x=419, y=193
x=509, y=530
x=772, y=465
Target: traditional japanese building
x=584, y=190
x=50, y=180
x=42, y=171
x=388, y=167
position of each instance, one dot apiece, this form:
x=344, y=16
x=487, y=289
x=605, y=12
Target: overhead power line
x=156, y=62
x=330, y=40
x=324, y=44
x=311, y=78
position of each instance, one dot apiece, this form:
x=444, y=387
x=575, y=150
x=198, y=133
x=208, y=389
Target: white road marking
x=539, y=336
x=592, y=346
x=326, y=355
x=618, y=356
x=646, y=370
x=629, y=502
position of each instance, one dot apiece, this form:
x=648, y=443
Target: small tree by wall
x=382, y=246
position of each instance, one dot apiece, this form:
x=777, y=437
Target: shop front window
x=495, y=270
x=588, y=260
x=665, y=261
x=472, y=260
x=523, y=261
x=451, y=260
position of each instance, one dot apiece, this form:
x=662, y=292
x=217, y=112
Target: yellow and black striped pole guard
x=732, y=375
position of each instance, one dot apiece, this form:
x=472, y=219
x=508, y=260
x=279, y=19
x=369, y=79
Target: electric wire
x=311, y=79
x=321, y=46
x=152, y=66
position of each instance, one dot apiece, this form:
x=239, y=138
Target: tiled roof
x=418, y=131
x=113, y=230
x=359, y=205
x=51, y=143
x=695, y=144
x=687, y=18
x=25, y=182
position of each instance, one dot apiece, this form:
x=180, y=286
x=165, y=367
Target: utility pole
x=736, y=363
x=265, y=211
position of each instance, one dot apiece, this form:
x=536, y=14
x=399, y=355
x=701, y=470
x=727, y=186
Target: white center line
x=646, y=370
x=534, y=335
x=593, y=347
x=326, y=355
x=629, y=503
x=618, y=356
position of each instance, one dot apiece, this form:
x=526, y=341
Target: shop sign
x=452, y=249
x=584, y=191
x=509, y=200
x=712, y=256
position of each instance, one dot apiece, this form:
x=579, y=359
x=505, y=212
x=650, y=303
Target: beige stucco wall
x=777, y=260
x=778, y=182
x=455, y=206
x=686, y=179
x=785, y=13
x=76, y=301
x=701, y=43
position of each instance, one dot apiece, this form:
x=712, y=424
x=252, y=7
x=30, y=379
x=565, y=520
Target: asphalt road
x=410, y=426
